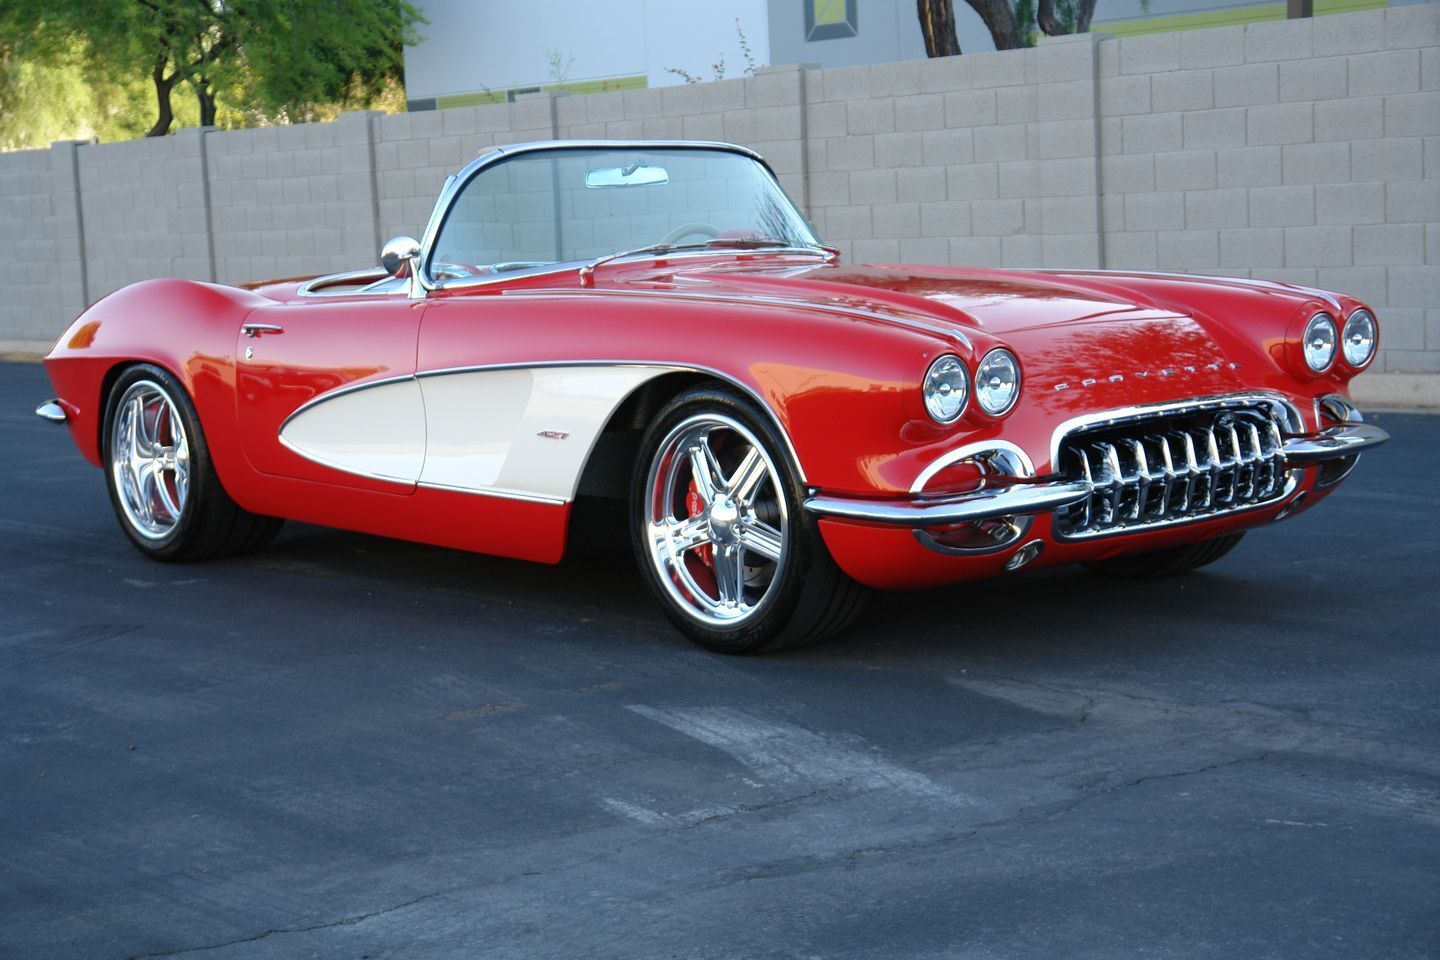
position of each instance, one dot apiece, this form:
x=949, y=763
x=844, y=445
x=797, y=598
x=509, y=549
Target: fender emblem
x=553, y=434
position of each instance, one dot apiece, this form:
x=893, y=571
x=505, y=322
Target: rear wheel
x=162, y=483
x=1167, y=563
x=721, y=536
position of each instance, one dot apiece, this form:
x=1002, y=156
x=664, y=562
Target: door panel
x=322, y=346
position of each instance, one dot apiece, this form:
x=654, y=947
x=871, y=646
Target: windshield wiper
x=587, y=272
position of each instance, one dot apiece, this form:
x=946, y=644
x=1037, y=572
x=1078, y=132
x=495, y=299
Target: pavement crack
x=279, y=931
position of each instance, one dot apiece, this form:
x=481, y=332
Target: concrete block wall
x=1306, y=151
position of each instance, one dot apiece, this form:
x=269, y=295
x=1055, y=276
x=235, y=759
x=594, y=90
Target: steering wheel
x=689, y=229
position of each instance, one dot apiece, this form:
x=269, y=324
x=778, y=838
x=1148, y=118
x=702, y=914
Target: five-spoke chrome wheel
x=716, y=520
x=150, y=460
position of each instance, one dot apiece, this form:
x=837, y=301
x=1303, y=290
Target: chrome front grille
x=1172, y=467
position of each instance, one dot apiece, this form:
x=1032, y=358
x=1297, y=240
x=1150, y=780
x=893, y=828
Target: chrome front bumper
x=1027, y=499
x=52, y=411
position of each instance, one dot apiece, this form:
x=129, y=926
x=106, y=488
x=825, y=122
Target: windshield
x=575, y=205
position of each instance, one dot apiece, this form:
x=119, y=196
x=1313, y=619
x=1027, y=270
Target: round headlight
x=947, y=385
x=1358, y=341
x=1320, y=341
x=997, y=382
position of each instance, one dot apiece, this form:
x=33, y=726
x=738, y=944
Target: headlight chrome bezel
x=1360, y=315
x=945, y=369
x=998, y=354
x=1318, y=320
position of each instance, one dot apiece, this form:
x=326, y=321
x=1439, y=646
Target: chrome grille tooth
x=1218, y=458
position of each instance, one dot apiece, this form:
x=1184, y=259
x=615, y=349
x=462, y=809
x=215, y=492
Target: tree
x=1011, y=25
x=265, y=55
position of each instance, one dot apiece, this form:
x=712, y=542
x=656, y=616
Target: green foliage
x=110, y=68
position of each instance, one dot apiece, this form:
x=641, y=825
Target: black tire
x=209, y=523
x=1167, y=563
x=806, y=598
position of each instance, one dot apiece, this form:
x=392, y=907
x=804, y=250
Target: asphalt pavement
x=349, y=747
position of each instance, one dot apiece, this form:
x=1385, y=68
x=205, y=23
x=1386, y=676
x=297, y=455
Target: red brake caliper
x=696, y=505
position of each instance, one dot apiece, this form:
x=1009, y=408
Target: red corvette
x=655, y=323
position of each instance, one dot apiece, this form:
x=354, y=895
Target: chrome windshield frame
x=455, y=183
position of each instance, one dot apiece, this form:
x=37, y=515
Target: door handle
x=256, y=329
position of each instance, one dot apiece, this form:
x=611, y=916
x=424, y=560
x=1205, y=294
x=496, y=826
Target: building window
x=830, y=19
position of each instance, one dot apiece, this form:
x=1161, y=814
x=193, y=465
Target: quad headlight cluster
x=948, y=385
x=1324, y=338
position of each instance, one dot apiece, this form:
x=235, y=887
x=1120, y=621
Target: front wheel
x=162, y=482
x=1167, y=563
x=721, y=536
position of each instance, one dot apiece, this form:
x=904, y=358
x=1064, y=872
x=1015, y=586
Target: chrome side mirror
x=400, y=257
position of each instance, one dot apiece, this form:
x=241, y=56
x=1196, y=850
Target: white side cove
x=373, y=431
x=512, y=432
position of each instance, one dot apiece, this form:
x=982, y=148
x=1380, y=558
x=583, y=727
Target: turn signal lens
x=947, y=386
x=1321, y=339
x=997, y=382
x=1358, y=341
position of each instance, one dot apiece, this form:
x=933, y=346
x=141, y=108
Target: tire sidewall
x=802, y=537
x=173, y=544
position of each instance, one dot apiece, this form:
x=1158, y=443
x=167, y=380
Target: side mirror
x=400, y=256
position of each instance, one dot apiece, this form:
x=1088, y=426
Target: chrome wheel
x=149, y=460
x=715, y=520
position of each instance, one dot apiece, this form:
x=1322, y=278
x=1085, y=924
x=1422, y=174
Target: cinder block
x=1282, y=206
x=976, y=181
x=1065, y=215
x=1412, y=115
x=1413, y=201
x=969, y=108
x=1417, y=26
x=872, y=186
x=1068, y=178
x=1185, y=170
x=1349, y=33
x=1322, y=79
x=920, y=183
x=997, y=217
x=850, y=153
x=1414, y=287
x=976, y=251
x=1022, y=251
x=1214, y=128
x=1150, y=53
x=1280, y=123
x=1365, y=283
x=777, y=89
x=1316, y=162
x=1246, y=85
x=1066, y=62
x=1248, y=167
x=877, y=251
x=1389, y=71
x=1220, y=47
x=1250, y=248
x=901, y=149
x=1121, y=96
x=1430, y=68
x=1131, y=251
x=871, y=116
x=1390, y=244
x=920, y=112
x=1188, y=250
x=846, y=83
x=823, y=120
x=1216, y=209
x=1402, y=329
x=1019, y=179
x=1017, y=104
x=949, y=218
x=945, y=147
x=829, y=189
x=1078, y=251
x=1347, y=203
x=931, y=250
x=1318, y=247
x=946, y=73
x=1158, y=133
x=848, y=223
x=1006, y=68
x=1183, y=90
x=1154, y=211
x=1278, y=40
x=1129, y=173
x=1355, y=119
x=896, y=220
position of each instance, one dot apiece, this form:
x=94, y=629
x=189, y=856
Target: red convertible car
x=655, y=323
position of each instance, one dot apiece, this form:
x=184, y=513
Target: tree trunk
x=999, y=17
x=937, y=24
x=1083, y=15
x=1045, y=17
x=206, y=96
x=164, y=116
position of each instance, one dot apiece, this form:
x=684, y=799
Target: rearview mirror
x=398, y=257
x=635, y=174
